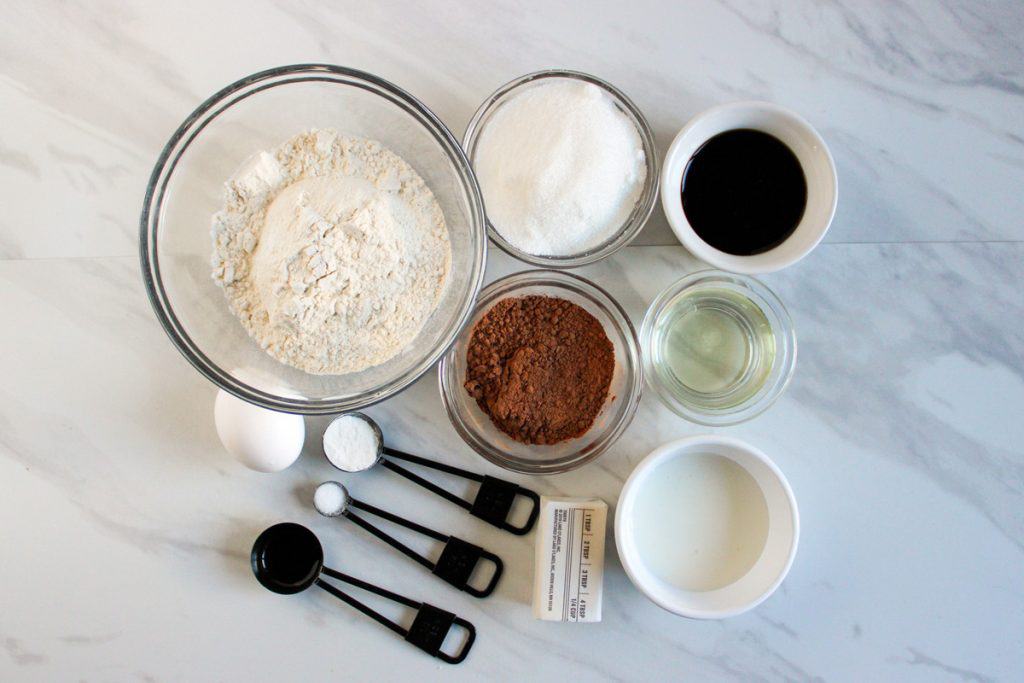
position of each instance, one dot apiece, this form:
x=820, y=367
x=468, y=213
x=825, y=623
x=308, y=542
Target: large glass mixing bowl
x=259, y=113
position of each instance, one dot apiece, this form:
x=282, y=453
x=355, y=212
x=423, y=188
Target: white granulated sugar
x=560, y=167
x=332, y=251
x=351, y=444
x=330, y=499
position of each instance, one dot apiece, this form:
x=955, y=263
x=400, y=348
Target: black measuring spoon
x=458, y=558
x=287, y=558
x=493, y=500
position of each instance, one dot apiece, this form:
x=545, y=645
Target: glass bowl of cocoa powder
x=545, y=376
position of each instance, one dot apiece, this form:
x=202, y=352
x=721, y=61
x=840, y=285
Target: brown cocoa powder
x=540, y=367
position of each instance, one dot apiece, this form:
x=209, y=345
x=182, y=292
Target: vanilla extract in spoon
x=744, y=192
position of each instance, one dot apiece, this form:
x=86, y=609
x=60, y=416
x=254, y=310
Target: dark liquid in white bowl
x=744, y=192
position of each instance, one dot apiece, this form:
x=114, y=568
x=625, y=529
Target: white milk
x=700, y=521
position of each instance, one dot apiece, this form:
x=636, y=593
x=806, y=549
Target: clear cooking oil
x=713, y=347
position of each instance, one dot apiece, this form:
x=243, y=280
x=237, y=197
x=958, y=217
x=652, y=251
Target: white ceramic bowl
x=766, y=573
x=818, y=166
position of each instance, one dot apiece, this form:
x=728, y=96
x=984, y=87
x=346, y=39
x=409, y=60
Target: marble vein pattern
x=126, y=528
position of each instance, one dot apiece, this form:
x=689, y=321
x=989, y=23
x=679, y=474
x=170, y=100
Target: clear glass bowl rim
x=178, y=144
x=508, y=286
x=648, y=197
x=760, y=401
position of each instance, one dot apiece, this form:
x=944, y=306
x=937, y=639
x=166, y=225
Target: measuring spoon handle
x=494, y=498
x=429, y=628
x=458, y=558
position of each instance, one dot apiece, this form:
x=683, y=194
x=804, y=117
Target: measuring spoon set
x=288, y=558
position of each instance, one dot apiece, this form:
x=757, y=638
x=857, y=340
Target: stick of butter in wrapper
x=569, y=559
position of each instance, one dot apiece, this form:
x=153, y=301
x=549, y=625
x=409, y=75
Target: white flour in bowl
x=332, y=251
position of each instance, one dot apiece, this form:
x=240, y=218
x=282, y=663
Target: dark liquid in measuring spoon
x=291, y=557
x=744, y=192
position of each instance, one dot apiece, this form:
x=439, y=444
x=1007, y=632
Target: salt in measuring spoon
x=458, y=558
x=362, y=450
x=287, y=558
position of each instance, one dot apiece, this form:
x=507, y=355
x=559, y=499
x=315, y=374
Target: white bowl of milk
x=707, y=527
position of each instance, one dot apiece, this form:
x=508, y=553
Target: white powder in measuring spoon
x=351, y=444
x=330, y=499
x=560, y=167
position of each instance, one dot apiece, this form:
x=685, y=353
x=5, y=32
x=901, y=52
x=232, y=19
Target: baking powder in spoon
x=351, y=443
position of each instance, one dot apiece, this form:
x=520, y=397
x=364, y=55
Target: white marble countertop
x=126, y=528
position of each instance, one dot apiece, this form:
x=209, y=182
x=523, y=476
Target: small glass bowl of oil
x=718, y=347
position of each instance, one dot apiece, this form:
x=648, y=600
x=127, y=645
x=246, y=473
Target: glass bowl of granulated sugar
x=313, y=239
x=567, y=166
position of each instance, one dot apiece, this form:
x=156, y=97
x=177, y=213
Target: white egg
x=262, y=440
